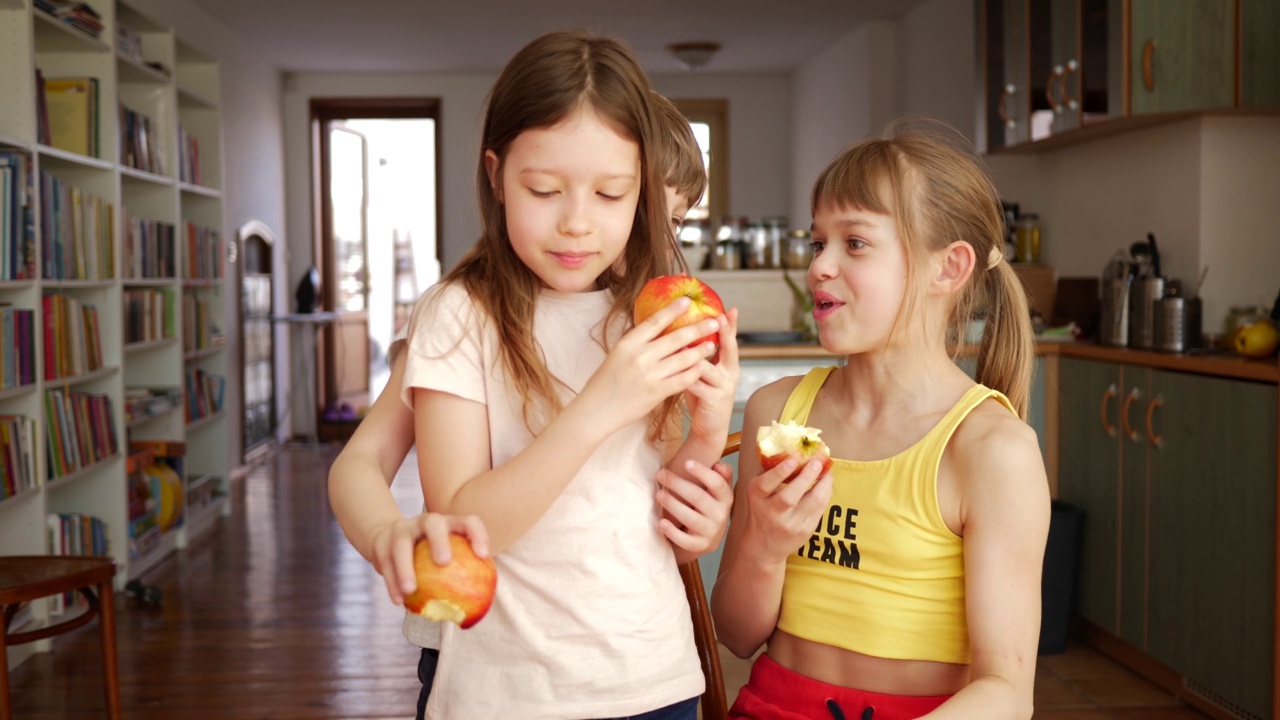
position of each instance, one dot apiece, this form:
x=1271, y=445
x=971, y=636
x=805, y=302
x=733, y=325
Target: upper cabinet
x=1259, y=53
x=1052, y=68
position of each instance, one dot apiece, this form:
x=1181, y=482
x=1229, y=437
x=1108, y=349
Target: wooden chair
x=23, y=579
x=715, y=701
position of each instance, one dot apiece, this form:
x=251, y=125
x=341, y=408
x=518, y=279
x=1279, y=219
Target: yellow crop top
x=882, y=574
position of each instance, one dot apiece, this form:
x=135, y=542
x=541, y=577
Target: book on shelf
x=71, y=109
x=205, y=393
x=140, y=143
x=79, y=15
x=17, y=216
x=204, y=254
x=80, y=431
x=148, y=248
x=189, y=158
x=75, y=534
x=148, y=314
x=17, y=467
x=72, y=338
x=17, y=346
x=78, y=242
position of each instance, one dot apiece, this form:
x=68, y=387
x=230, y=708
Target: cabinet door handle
x=1107, y=397
x=1072, y=103
x=1152, y=437
x=1148, y=75
x=1055, y=74
x=1134, y=394
x=1005, y=92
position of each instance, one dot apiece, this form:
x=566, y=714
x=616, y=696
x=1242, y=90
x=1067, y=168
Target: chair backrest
x=715, y=702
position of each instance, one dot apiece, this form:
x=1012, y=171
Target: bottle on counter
x=1027, y=238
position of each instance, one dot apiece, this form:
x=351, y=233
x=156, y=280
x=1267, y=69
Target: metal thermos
x=1143, y=296
x=1113, y=328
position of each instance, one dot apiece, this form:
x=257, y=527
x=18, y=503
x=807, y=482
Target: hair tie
x=994, y=257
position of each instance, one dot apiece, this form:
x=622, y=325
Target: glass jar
x=1027, y=238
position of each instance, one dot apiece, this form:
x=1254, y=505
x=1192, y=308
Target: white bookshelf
x=176, y=87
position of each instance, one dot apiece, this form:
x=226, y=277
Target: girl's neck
x=901, y=377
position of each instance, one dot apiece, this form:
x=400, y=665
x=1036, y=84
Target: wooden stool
x=23, y=579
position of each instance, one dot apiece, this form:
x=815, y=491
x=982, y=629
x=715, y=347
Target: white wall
x=936, y=57
x=253, y=166
x=1239, y=213
x=759, y=134
x=840, y=96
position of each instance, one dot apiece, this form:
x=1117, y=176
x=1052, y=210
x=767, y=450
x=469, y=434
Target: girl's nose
x=822, y=267
x=575, y=220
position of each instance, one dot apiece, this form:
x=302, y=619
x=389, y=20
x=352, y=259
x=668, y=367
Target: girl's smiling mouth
x=824, y=304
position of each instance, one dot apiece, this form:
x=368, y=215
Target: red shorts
x=775, y=693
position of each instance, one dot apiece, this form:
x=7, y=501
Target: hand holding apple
x=780, y=441
x=662, y=291
x=460, y=591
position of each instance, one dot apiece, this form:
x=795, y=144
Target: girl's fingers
x=402, y=563
x=801, y=484
x=680, y=538
x=473, y=528
x=653, y=325
x=679, y=511
x=729, y=339
x=767, y=483
x=436, y=528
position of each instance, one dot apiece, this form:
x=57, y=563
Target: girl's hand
x=696, y=509
x=643, y=369
x=710, y=400
x=781, y=515
x=393, y=546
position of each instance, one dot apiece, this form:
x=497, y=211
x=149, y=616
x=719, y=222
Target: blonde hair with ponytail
x=929, y=180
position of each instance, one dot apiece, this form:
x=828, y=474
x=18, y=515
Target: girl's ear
x=491, y=166
x=953, y=265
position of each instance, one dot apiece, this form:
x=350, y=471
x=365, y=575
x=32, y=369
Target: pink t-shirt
x=590, y=618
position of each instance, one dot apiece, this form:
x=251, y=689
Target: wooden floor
x=272, y=615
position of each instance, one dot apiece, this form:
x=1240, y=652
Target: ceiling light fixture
x=693, y=55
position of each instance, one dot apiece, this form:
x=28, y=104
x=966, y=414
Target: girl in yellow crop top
x=905, y=583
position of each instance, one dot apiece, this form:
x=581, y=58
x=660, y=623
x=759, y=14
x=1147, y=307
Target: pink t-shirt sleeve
x=446, y=346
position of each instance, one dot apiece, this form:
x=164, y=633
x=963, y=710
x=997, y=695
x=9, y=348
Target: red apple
x=779, y=441
x=459, y=592
x=662, y=291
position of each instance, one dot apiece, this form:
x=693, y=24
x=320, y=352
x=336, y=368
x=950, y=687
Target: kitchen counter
x=1221, y=365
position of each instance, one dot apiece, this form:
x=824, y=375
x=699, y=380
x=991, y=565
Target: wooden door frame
x=322, y=111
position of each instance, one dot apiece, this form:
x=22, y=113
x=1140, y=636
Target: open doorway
x=377, y=191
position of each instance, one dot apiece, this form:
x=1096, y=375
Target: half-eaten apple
x=460, y=592
x=778, y=441
x=664, y=290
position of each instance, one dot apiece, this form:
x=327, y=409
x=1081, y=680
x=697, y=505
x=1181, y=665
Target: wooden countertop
x=1222, y=365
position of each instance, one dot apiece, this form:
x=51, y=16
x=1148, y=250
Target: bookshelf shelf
x=201, y=283
x=150, y=282
x=192, y=189
x=128, y=173
x=82, y=378
x=81, y=112
x=13, y=500
x=149, y=344
x=188, y=98
x=63, y=158
x=10, y=141
x=204, y=352
x=206, y=421
x=141, y=564
x=79, y=474
x=17, y=391
x=54, y=35
x=133, y=71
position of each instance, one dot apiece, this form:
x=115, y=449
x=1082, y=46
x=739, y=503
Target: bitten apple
x=779, y=441
x=662, y=291
x=460, y=592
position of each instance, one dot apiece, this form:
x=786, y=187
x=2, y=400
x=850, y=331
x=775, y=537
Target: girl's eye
x=609, y=197
x=542, y=193
x=817, y=246
x=856, y=244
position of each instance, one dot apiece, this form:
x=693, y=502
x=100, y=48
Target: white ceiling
x=479, y=35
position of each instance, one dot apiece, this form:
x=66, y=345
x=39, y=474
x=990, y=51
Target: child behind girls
x=918, y=593
x=361, y=475
x=539, y=409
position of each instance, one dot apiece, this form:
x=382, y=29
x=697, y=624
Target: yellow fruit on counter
x=1257, y=340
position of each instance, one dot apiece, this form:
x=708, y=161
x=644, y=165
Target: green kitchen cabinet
x=1089, y=461
x=1260, y=53
x=1005, y=82
x=1211, y=534
x=1182, y=55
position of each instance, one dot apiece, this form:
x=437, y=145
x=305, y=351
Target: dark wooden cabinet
x=1053, y=67
x=1176, y=474
x=1259, y=53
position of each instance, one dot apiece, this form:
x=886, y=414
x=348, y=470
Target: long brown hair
x=541, y=85
x=938, y=193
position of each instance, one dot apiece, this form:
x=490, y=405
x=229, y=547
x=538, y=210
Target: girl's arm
x=770, y=520
x=695, y=491
x=1005, y=515
x=360, y=493
x=453, y=437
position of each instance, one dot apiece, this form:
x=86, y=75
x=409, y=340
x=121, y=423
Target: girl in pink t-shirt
x=541, y=411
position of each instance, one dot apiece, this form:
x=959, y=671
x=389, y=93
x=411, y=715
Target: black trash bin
x=1058, y=583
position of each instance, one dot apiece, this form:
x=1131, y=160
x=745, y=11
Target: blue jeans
x=427, y=662
x=683, y=710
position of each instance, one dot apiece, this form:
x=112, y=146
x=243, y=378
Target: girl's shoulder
x=768, y=400
x=994, y=449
